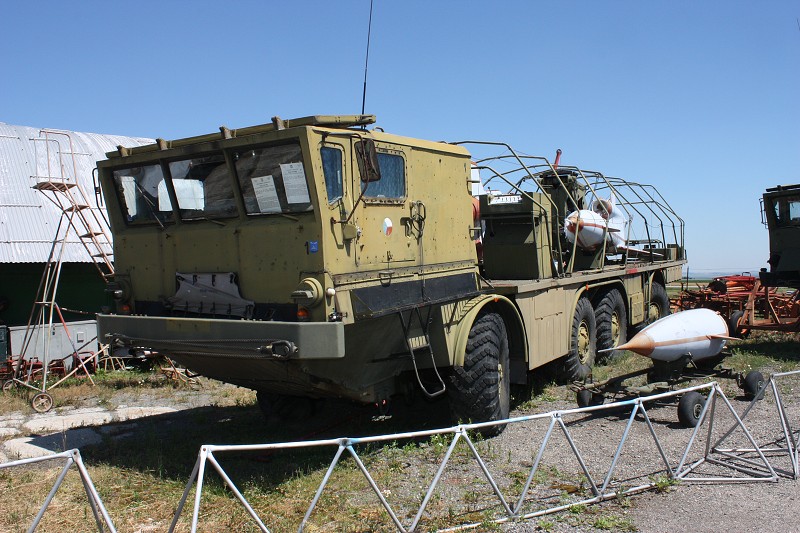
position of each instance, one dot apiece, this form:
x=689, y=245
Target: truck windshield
x=143, y=194
x=203, y=187
x=272, y=179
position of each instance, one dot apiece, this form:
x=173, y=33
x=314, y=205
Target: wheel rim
x=42, y=402
x=584, y=344
x=655, y=312
x=615, y=329
x=500, y=386
x=698, y=408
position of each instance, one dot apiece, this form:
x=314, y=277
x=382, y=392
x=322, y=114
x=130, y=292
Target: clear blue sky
x=697, y=98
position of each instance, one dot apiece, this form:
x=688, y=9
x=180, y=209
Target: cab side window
x=392, y=185
x=787, y=211
x=332, y=170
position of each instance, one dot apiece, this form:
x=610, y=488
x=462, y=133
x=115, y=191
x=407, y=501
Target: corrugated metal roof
x=29, y=220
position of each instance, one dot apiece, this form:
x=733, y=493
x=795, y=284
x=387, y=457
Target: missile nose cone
x=641, y=343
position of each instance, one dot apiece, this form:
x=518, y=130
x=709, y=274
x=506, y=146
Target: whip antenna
x=366, y=62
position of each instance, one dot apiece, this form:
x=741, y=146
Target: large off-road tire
x=657, y=307
x=612, y=323
x=479, y=390
x=659, y=303
x=579, y=361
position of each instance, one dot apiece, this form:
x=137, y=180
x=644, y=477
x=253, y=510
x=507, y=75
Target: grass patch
x=623, y=363
x=766, y=351
x=663, y=484
x=613, y=523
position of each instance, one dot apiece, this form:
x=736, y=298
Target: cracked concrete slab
x=63, y=423
x=131, y=413
x=66, y=428
x=40, y=446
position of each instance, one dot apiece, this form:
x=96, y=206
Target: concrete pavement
x=65, y=428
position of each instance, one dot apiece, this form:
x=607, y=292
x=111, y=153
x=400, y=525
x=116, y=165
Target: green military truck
x=780, y=213
x=318, y=258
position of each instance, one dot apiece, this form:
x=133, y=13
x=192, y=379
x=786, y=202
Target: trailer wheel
x=480, y=389
x=752, y=384
x=586, y=398
x=612, y=322
x=579, y=362
x=733, y=325
x=689, y=408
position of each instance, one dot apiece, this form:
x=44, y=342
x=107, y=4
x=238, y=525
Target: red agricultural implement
x=746, y=304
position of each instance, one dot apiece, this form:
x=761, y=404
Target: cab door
x=384, y=242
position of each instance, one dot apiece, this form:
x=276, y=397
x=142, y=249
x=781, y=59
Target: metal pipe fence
x=789, y=436
x=71, y=457
x=602, y=487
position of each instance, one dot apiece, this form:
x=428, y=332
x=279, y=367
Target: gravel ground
x=731, y=507
x=685, y=506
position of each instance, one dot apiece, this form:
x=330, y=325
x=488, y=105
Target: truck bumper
x=219, y=337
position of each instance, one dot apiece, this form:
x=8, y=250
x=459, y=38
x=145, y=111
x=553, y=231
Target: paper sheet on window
x=294, y=181
x=189, y=192
x=128, y=184
x=266, y=195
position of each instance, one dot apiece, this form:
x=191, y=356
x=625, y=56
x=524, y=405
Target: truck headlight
x=308, y=293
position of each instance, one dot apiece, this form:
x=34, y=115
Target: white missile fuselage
x=699, y=333
x=587, y=228
x=605, y=222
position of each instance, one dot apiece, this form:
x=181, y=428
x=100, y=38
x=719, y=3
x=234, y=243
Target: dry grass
x=144, y=495
x=129, y=387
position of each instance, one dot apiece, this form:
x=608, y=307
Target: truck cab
x=265, y=256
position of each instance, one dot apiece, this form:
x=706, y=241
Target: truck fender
x=517, y=339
